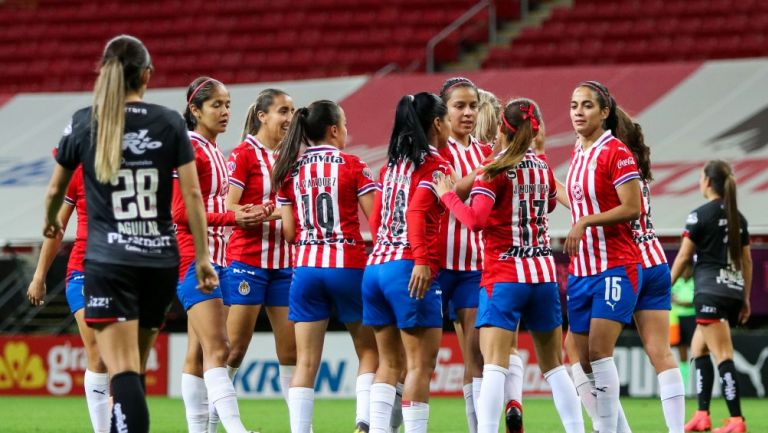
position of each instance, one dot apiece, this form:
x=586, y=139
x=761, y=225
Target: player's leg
x=391, y=365
x=276, y=303
x=96, y=379
x=421, y=345
x=193, y=391
x=705, y=379
x=717, y=337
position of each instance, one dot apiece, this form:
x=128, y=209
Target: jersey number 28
x=138, y=196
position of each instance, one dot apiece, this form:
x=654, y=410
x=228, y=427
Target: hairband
x=197, y=89
x=458, y=83
x=527, y=114
x=596, y=86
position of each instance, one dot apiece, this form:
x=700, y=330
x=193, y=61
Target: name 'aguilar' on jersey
x=129, y=218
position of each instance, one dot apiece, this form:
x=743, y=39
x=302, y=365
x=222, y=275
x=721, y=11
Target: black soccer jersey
x=129, y=218
x=707, y=227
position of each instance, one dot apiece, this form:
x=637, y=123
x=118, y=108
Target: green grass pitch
x=70, y=415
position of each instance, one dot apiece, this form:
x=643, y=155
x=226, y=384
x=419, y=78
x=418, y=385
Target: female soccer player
x=462, y=249
x=723, y=281
x=604, y=194
x=510, y=200
x=132, y=257
x=206, y=116
x=96, y=379
x=319, y=196
x=401, y=300
x=259, y=259
x=488, y=112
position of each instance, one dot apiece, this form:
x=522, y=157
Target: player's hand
x=268, y=207
x=538, y=141
x=573, y=239
x=36, y=291
x=443, y=184
x=207, y=279
x=249, y=216
x=52, y=229
x=421, y=279
x=746, y=310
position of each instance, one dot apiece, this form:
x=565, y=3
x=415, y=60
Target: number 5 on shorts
x=613, y=289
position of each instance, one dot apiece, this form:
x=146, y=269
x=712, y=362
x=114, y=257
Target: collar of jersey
x=321, y=148
x=433, y=150
x=255, y=142
x=200, y=138
x=458, y=145
x=600, y=141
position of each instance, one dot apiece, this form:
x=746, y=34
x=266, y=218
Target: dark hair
x=123, y=63
x=605, y=100
x=723, y=182
x=199, y=91
x=309, y=125
x=520, y=123
x=413, y=122
x=631, y=134
x=263, y=102
x=452, y=83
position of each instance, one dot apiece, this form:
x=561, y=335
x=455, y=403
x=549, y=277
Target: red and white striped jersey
x=516, y=233
x=461, y=248
x=399, y=185
x=323, y=190
x=214, y=184
x=250, y=166
x=592, y=180
x=75, y=196
x=650, y=247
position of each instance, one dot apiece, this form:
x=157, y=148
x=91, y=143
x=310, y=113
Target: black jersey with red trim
x=129, y=218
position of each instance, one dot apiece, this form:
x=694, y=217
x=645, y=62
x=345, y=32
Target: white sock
x=382, y=399
x=416, y=417
x=622, y=425
x=301, y=402
x=97, y=396
x=213, y=417
x=566, y=399
x=396, y=421
x=363, y=402
x=607, y=388
x=222, y=394
x=672, y=393
x=195, y=397
x=513, y=387
x=286, y=373
x=584, y=387
x=491, y=400
x=477, y=382
x=469, y=408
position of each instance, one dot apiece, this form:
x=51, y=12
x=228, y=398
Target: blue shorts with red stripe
x=656, y=291
x=502, y=305
x=610, y=295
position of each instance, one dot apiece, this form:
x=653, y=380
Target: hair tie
x=458, y=83
x=598, y=88
x=197, y=89
x=528, y=114
x=511, y=128
x=411, y=98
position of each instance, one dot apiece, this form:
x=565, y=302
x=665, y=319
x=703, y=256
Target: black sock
x=143, y=378
x=730, y=387
x=129, y=411
x=705, y=378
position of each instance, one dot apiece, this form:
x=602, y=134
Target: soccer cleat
x=514, y=417
x=699, y=422
x=734, y=424
x=361, y=427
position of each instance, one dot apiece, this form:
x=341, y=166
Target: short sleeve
x=73, y=190
x=68, y=149
x=285, y=195
x=184, y=152
x=622, y=167
x=744, y=231
x=485, y=187
x=693, y=227
x=364, y=180
x=237, y=165
x=430, y=176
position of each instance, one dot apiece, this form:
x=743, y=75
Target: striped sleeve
x=622, y=166
x=364, y=179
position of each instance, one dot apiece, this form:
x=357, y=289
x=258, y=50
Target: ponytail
x=520, y=123
x=631, y=134
x=487, y=124
x=413, y=122
x=123, y=63
x=289, y=148
x=723, y=183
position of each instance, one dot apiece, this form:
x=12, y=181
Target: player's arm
x=416, y=217
x=746, y=271
x=463, y=186
x=684, y=258
x=473, y=216
x=289, y=223
x=37, y=289
x=627, y=210
x=366, y=201
x=54, y=198
x=374, y=218
x=193, y=202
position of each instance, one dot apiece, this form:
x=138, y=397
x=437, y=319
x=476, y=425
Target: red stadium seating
x=640, y=31
x=54, y=45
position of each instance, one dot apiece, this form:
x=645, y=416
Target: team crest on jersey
x=231, y=167
x=244, y=288
x=593, y=164
x=436, y=175
x=577, y=192
x=693, y=218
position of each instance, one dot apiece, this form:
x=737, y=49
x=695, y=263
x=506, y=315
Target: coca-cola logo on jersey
x=140, y=142
x=577, y=192
x=626, y=162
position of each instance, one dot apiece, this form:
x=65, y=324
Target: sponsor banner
x=55, y=365
x=638, y=377
x=259, y=375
